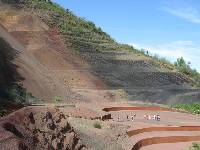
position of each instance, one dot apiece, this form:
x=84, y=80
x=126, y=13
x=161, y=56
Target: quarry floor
x=114, y=132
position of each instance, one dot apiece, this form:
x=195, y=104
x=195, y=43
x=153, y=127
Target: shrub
x=183, y=67
x=57, y=99
x=192, y=108
x=97, y=125
x=17, y=94
x=194, y=146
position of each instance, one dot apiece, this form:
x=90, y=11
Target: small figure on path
x=118, y=118
x=158, y=118
x=127, y=117
x=149, y=117
x=154, y=117
x=132, y=118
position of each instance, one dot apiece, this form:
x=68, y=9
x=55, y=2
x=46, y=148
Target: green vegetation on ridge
x=83, y=35
x=185, y=68
x=191, y=108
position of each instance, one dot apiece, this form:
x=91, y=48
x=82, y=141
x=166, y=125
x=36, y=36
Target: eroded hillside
x=68, y=57
x=80, y=89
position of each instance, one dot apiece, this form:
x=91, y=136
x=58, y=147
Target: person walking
x=149, y=117
x=132, y=118
x=145, y=117
x=118, y=118
x=127, y=117
x=158, y=118
x=154, y=117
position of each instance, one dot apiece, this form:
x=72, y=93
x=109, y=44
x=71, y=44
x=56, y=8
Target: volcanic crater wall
x=36, y=129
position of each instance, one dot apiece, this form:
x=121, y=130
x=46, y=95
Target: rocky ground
x=81, y=126
x=48, y=129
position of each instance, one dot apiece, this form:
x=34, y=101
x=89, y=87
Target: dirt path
x=149, y=134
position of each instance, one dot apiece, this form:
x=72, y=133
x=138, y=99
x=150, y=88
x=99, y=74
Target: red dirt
x=151, y=129
x=36, y=128
x=48, y=66
x=169, y=139
x=174, y=127
x=154, y=108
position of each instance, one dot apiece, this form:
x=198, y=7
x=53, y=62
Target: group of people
x=128, y=117
x=154, y=117
x=146, y=117
x=131, y=117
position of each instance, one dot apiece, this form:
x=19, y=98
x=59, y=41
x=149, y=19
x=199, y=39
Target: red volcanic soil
x=169, y=139
x=38, y=128
x=151, y=129
x=153, y=108
x=174, y=127
x=47, y=65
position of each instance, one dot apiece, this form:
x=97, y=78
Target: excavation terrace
x=174, y=126
x=85, y=90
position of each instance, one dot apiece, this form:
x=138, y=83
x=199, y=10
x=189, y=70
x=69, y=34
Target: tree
x=182, y=66
x=180, y=63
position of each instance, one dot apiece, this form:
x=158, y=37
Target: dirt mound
x=47, y=129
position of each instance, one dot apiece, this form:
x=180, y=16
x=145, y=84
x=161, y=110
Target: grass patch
x=57, y=99
x=191, y=108
x=195, y=146
x=97, y=125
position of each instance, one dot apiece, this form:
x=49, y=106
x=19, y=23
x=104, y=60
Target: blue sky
x=169, y=28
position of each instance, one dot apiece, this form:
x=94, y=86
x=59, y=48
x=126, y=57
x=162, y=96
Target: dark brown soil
x=41, y=130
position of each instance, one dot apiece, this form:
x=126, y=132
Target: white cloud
x=190, y=14
x=173, y=50
x=185, y=43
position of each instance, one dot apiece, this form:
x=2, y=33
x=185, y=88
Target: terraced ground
x=176, y=130
x=88, y=72
x=76, y=124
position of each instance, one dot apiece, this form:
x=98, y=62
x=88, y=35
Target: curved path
x=151, y=129
x=157, y=139
x=168, y=139
x=154, y=108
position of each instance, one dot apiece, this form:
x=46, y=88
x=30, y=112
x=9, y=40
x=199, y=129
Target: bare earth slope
x=95, y=78
x=48, y=68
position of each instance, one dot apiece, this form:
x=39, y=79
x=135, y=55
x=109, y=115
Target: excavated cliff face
x=34, y=129
x=50, y=67
x=47, y=66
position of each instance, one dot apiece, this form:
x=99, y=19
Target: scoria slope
x=71, y=58
x=47, y=67
x=84, y=82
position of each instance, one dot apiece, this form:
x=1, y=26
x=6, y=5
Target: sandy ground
x=168, y=119
x=174, y=146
